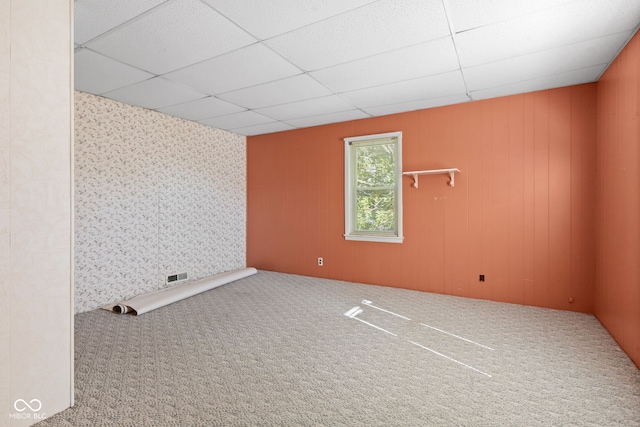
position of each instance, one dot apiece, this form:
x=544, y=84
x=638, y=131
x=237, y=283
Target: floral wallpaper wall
x=154, y=195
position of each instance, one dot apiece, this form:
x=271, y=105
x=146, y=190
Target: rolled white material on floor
x=150, y=301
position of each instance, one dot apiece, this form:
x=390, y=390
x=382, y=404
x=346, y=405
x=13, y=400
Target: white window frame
x=351, y=232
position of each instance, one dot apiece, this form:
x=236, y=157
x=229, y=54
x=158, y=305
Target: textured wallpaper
x=154, y=195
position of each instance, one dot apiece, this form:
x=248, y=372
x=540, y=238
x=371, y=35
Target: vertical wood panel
x=434, y=189
x=588, y=209
x=500, y=200
x=338, y=256
x=528, y=199
x=515, y=181
x=576, y=242
x=458, y=225
x=421, y=253
x=618, y=203
x=559, y=197
x=496, y=220
x=474, y=196
x=486, y=187
x=541, y=199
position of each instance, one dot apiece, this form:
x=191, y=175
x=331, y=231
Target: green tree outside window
x=372, y=190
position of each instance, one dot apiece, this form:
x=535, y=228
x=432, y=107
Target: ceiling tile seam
x=259, y=84
x=236, y=130
x=266, y=42
x=200, y=99
x=447, y=13
x=398, y=82
x=315, y=70
x=616, y=53
x=416, y=101
x=256, y=110
x=237, y=112
x=266, y=45
x=127, y=22
x=287, y=121
x=337, y=93
x=517, y=16
x=153, y=75
x=556, y=47
x=354, y=107
x=218, y=56
x=204, y=95
x=254, y=36
x=212, y=117
x=104, y=94
x=286, y=32
x=541, y=77
x=321, y=20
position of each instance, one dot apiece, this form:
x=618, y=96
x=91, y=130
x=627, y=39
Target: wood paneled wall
x=521, y=212
x=618, y=236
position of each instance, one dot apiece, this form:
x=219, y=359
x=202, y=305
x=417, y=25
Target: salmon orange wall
x=521, y=212
x=618, y=235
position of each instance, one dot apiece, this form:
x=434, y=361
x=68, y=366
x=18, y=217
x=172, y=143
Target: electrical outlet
x=482, y=277
x=320, y=262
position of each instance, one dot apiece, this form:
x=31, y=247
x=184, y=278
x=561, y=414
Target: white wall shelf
x=415, y=174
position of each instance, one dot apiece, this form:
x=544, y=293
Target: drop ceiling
x=258, y=66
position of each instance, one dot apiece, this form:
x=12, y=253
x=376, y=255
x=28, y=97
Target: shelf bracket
x=415, y=174
x=415, y=180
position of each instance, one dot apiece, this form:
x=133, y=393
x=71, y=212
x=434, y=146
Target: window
x=373, y=187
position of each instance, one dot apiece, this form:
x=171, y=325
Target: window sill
x=380, y=239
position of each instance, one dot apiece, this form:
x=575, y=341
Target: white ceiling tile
x=245, y=67
x=411, y=90
x=283, y=91
x=308, y=108
x=416, y=105
x=323, y=119
x=545, y=63
x=97, y=74
x=369, y=30
x=263, y=129
x=265, y=19
x=154, y=93
x=94, y=17
x=566, y=24
x=379, y=56
x=434, y=57
x=203, y=108
x=586, y=75
x=178, y=34
x=467, y=14
x=237, y=120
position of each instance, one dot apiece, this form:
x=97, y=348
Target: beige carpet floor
x=284, y=350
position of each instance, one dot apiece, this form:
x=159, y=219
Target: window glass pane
x=375, y=210
x=375, y=165
x=373, y=195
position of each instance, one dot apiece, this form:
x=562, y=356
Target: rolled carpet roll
x=150, y=301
